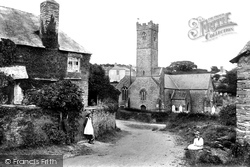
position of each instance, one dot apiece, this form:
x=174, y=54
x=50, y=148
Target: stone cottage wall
x=52, y=64
x=243, y=104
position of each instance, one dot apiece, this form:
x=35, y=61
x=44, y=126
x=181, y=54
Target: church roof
x=187, y=81
x=23, y=29
x=157, y=71
x=180, y=95
x=125, y=81
x=169, y=83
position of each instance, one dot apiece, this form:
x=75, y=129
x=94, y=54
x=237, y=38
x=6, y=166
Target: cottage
x=37, y=44
x=154, y=90
x=243, y=94
x=118, y=72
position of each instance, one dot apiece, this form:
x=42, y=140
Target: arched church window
x=124, y=93
x=143, y=94
x=143, y=72
x=144, y=35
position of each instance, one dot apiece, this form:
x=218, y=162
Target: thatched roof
x=23, y=29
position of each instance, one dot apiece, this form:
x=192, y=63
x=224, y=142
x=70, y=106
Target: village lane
x=144, y=145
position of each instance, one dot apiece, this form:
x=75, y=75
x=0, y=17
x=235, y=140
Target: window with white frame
x=73, y=64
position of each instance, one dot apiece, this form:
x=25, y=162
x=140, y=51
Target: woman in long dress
x=88, y=129
x=198, y=142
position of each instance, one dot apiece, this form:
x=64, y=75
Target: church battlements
x=145, y=26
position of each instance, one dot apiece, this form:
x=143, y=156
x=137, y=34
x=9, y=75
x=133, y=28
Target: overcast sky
x=107, y=28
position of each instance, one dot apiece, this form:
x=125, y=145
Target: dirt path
x=142, y=147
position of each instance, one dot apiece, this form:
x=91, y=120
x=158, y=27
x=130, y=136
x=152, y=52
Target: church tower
x=147, y=49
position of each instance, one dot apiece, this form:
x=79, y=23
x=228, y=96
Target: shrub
x=55, y=135
x=228, y=115
x=111, y=105
x=30, y=138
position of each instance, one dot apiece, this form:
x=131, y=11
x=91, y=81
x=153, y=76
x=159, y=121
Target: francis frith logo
x=211, y=28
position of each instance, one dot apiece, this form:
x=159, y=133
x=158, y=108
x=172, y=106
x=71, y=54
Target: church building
x=154, y=90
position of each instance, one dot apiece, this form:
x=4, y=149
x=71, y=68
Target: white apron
x=89, y=128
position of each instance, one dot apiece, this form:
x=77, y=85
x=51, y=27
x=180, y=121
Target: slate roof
x=157, y=71
x=179, y=95
x=23, y=29
x=16, y=72
x=125, y=81
x=169, y=83
x=243, y=52
x=187, y=81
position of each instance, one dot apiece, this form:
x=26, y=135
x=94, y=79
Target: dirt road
x=144, y=146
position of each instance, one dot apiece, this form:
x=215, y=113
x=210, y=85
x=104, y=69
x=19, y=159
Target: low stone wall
x=18, y=122
x=20, y=125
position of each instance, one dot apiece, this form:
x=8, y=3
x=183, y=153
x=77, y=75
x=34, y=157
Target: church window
x=154, y=36
x=124, y=93
x=143, y=72
x=144, y=35
x=73, y=64
x=143, y=94
x=117, y=72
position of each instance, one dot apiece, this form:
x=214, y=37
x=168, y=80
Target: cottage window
x=143, y=94
x=124, y=93
x=73, y=64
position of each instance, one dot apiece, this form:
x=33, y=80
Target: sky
x=107, y=28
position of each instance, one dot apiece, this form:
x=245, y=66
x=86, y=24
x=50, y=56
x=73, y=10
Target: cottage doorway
x=143, y=107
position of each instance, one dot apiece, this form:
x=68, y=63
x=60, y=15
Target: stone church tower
x=144, y=92
x=147, y=49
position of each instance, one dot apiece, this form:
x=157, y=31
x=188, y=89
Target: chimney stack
x=49, y=23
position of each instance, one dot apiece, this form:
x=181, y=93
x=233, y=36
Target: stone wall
x=197, y=100
x=168, y=104
x=243, y=104
x=19, y=121
x=16, y=124
x=152, y=95
x=52, y=64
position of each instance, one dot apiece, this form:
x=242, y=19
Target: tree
x=214, y=69
x=99, y=85
x=216, y=77
x=63, y=99
x=229, y=84
x=231, y=80
x=182, y=66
